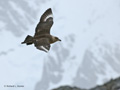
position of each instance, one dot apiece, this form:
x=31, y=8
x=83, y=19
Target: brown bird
x=42, y=37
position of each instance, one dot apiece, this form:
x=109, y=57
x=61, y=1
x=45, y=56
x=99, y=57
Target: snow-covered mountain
x=88, y=55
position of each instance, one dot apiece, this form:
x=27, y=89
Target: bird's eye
x=56, y=38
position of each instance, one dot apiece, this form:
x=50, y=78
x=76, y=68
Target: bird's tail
x=28, y=40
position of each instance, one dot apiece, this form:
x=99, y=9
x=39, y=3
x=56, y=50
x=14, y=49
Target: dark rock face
x=68, y=88
x=111, y=85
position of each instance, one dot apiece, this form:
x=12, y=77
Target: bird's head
x=57, y=39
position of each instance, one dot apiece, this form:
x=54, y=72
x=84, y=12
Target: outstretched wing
x=47, y=14
x=44, y=48
x=45, y=23
x=42, y=44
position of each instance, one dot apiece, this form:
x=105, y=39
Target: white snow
x=93, y=24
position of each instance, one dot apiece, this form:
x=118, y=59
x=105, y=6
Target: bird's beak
x=59, y=40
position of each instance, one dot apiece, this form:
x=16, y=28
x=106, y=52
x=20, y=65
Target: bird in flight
x=42, y=37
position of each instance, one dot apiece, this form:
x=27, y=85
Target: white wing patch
x=44, y=49
x=50, y=15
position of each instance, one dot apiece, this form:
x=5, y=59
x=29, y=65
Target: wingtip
x=49, y=9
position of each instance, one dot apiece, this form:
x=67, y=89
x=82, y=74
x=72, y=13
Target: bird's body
x=42, y=37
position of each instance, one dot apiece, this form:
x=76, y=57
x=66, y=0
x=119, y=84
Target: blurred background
x=88, y=55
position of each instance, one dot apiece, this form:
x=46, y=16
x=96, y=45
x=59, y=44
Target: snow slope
x=89, y=51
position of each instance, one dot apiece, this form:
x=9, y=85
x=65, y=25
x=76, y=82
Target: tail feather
x=28, y=40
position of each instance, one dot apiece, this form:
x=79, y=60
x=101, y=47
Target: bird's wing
x=42, y=44
x=47, y=14
x=45, y=24
x=44, y=48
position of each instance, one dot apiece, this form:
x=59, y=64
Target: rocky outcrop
x=111, y=85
